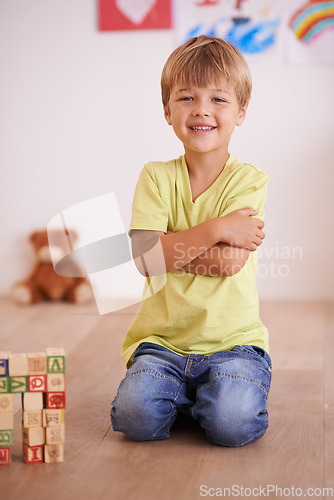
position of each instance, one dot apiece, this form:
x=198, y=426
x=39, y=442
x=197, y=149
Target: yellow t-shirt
x=193, y=313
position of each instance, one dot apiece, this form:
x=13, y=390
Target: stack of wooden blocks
x=40, y=378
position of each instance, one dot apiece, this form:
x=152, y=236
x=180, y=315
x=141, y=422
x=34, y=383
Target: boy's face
x=203, y=118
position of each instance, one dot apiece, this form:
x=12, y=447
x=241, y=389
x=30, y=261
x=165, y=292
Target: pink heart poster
x=134, y=14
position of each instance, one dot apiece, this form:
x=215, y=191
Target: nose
x=200, y=109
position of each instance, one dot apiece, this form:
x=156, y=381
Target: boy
x=197, y=345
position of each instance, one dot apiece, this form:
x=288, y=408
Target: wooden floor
x=296, y=452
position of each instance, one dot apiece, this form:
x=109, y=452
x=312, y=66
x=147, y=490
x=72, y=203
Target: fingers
x=248, y=211
x=257, y=241
x=251, y=212
x=252, y=247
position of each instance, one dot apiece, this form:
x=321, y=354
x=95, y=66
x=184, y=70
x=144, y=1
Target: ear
x=241, y=115
x=167, y=115
x=34, y=237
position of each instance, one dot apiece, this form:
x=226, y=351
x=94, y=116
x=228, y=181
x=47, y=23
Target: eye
x=218, y=99
x=186, y=98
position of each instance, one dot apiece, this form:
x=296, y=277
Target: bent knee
x=138, y=413
x=237, y=416
x=228, y=435
x=242, y=426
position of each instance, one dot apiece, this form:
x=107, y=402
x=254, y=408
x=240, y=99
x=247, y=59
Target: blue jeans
x=225, y=392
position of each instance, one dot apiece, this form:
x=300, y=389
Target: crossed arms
x=216, y=247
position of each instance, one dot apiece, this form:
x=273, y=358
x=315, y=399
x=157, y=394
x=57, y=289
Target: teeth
x=202, y=128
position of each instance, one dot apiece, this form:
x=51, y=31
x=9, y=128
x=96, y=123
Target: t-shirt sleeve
x=251, y=193
x=148, y=209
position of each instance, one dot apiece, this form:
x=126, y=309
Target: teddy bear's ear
x=39, y=238
x=34, y=236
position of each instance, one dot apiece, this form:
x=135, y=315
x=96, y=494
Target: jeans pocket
x=258, y=352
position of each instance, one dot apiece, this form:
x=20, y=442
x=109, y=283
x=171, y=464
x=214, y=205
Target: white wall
x=81, y=114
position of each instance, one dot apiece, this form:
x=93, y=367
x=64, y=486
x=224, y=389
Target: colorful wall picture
x=252, y=36
x=250, y=25
x=310, y=37
x=115, y=15
x=312, y=20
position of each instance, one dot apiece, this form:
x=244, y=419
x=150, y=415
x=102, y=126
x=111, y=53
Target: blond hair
x=205, y=59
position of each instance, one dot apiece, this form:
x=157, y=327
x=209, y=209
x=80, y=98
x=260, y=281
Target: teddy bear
x=44, y=283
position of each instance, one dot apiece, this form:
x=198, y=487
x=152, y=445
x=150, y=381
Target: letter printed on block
x=32, y=418
x=55, y=435
x=4, y=363
x=6, y=437
x=37, y=383
x=36, y=363
x=53, y=418
x=6, y=402
x=55, y=360
x=56, y=382
x=4, y=384
x=54, y=453
x=4, y=456
x=33, y=454
x=18, y=384
x=55, y=400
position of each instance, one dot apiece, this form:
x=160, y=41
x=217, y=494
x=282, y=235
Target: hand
x=241, y=229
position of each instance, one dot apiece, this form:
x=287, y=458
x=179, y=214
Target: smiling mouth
x=202, y=128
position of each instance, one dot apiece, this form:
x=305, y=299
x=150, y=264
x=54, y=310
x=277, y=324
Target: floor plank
x=329, y=398
x=27, y=329
x=296, y=333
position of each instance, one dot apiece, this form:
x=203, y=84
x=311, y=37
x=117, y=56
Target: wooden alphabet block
x=4, y=385
x=4, y=363
x=6, y=420
x=32, y=418
x=33, y=436
x=53, y=418
x=55, y=400
x=6, y=402
x=33, y=454
x=37, y=383
x=4, y=456
x=32, y=401
x=55, y=360
x=53, y=453
x=17, y=365
x=36, y=363
x=18, y=384
x=56, y=382
x=6, y=437
x=55, y=435
x=40, y=379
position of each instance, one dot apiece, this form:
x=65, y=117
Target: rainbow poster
x=310, y=21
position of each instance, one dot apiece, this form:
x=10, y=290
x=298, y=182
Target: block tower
x=40, y=379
